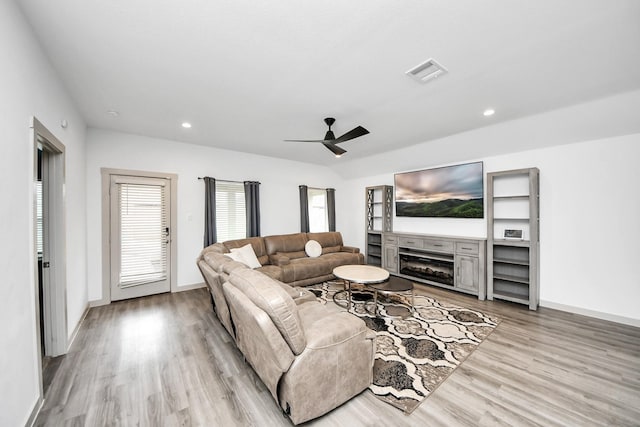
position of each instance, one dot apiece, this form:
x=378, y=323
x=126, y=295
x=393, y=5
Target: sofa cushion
x=216, y=260
x=257, y=243
x=327, y=239
x=293, y=255
x=305, y=268
x=337, y=259
x=311, y=312
x=272, y=271
x=231, y=266
x=269, y=296
x=331, y=249
x=299, y=296
x=247, y=255
x=285, y=243
x=279, y=259
x=216, y=247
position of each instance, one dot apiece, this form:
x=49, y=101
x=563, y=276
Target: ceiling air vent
x=428, y=70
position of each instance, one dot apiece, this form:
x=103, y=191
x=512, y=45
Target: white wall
x=589, y=208
x=29, y=87
x=589, y=229
x=278, y=190
x=573, y=225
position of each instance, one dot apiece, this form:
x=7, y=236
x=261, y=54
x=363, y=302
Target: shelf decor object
x=513, y=237
x=379, y=214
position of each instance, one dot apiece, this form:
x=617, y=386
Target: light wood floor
x=166, y=360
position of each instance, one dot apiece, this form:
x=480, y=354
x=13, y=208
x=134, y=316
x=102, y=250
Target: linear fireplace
x=435, y=268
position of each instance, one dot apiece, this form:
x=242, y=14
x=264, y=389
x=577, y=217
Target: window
x=144, y=232
x=317, y=209
x=231, y=220
x=318, y=218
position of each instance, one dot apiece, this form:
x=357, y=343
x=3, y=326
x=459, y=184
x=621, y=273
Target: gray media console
x=456, y=263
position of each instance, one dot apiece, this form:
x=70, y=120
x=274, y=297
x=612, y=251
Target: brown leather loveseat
x=283, y=257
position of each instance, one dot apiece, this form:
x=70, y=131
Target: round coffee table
x=362, y=274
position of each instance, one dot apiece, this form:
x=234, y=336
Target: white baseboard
x=190, y=287
x=592, y=313
x=103, y=301
x=99, y=302
x=77, y=328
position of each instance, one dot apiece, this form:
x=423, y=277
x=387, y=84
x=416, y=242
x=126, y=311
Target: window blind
x=318, y=219
x=143, y=234
x=231, y=219
x=39, y=218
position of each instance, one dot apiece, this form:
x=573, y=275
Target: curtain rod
x=316, y=188
x=226, y=180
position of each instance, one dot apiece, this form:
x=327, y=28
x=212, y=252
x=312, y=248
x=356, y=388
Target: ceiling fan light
x=330, y=141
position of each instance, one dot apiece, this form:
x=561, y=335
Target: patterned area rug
x=415, y=352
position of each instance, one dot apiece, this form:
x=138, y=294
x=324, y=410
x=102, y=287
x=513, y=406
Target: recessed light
x=489, y=112
x=113, y=113
x=186, y=125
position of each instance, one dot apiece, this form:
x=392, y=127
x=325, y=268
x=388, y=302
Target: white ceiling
x=250, y=73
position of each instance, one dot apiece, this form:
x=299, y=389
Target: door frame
x=106, y=227
x=54, y=296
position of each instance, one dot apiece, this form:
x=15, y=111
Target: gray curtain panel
x=304, y=209
x=252, y=205
x=331, y=208
x=209, y=211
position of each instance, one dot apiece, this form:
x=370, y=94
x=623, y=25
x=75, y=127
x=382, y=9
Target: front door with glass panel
x=140, y=236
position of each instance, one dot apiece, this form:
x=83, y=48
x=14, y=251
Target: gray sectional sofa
x=311, y=357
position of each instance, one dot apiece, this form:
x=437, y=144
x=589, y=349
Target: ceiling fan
x=330, y=139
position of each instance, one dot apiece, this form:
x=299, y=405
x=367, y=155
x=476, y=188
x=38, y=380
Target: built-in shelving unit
x=379, y=214
x=512, y=262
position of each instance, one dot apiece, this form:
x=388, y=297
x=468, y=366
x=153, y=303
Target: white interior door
x=50, y=241
x=140, y=236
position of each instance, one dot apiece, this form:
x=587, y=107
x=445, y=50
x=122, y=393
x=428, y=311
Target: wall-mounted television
x=448, y=192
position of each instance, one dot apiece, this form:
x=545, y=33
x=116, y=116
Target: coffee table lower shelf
x=391, y=287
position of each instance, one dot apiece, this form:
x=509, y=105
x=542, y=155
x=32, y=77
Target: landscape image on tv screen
x=451, y=192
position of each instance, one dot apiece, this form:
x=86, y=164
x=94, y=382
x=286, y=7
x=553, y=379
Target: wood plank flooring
x=165, y=360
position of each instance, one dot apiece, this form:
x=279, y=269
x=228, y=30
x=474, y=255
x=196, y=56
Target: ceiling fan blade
x=353, y=133
x=334, y=148
x=304, y=140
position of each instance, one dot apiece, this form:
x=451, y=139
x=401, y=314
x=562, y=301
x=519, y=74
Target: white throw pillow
x=313, y=249
x=247, y=255
x=236, y=256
